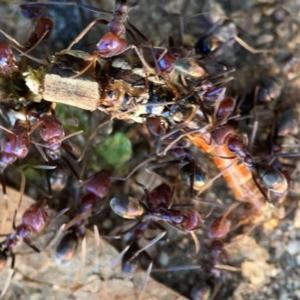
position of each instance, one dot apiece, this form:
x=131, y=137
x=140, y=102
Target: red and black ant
x=52, y=132
x=35, y=219
x=98, y=186
x=15, y=145
x=148, y=213
x=43, y=26
x=114, y=42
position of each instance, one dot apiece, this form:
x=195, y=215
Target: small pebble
x=164, y=259
x=292, y=247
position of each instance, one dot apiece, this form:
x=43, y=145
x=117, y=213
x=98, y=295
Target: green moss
x=115, y=150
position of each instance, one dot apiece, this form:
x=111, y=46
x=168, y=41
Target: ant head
x=219, y=228
x=194, y=221
x=16, y=143
x=127, y=207
x=154, y=125
x=225, y=108
x=221, y=133
x=50, y=128
x=110, y=45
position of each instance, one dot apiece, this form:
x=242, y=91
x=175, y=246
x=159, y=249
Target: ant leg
x=255, y=124
x=252, y=50
x=178, y=268
x=141, y=57
x=8, y=131
x=69, y=150
x=77, y=219
x=94, y=59
x=261, y=190
x=210, y=182
x=37, y=43
x=197, y=130
x=137, y=32
x=14, y=226
x=135, y=169
x=4, y=192
x=196, y=241
x=38, y=146
x=161, y=165
x=152, y=242
x=11, y=39
x=85, y=31
x=149, y=269
x=119, y=257
x=9, y=276
x=82, y=264
x=71, y=135
x=55, y=238
x=33, y=247
x=74, y=122
x=145, y=191
x=38, y=60
x=181, y=126
x=5, y=200
x=69, y=165
x=87, y=142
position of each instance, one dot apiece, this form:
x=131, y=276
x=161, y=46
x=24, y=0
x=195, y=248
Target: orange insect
x=234, y=161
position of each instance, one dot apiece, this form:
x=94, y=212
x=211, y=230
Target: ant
x=148, y=213
x=8, y=64
x=35, y=219
x=98, y=186
x=215, y=283
x=43, y=26
x=15, y=145
x=52, y=132
x=113, y=43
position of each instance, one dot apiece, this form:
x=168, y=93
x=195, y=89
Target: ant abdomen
x=42, y=31
x=127, y=207
x=272, y=179
x=66, y=249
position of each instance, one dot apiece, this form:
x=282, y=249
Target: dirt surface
x=266, y=259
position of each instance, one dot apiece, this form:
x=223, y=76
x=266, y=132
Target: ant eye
x=44, y=128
